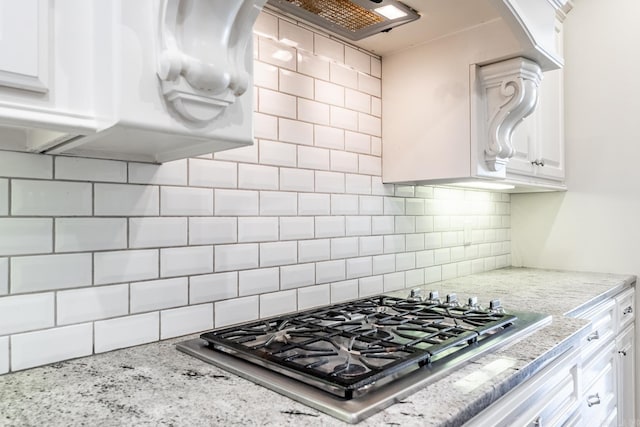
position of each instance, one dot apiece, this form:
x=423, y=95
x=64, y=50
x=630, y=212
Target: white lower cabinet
x=591, y=384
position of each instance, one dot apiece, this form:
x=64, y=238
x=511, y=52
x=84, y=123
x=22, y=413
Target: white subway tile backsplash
x=357, y=142
x=359, y=267
x=330, y=226
x=414, y=277
x=376, y=67
x=358, y=101
x=314, y=296
x=394, y=243
x=295, y=131
x=258, y=281
x=296, y=84
x=370, y=125
x=126, y=200
x=414, y=242
x=296, y=276
x=152, y=232
x=376, y=106
x=159, y=294
x=258, y=229
x=357, y=225
x=405, y=224
x=344, y=204
x=79, y=169
x=4, y=276
x=186, y=201
x=185, y=320
x=380, y=189
x=394, y=281
x=264, y=126
x=26, y=165
x=372, y=285
x=81, y=305
x=278, y=203
x=424, y=224
x=292, y=35
x=50, y=198
x=124, y=266
x=382, y=225
x=330, y=271
x=4, y=197
x=236, y=257
x=187, y=260
x=369, y=165
x=442, y=256
x=376, y=146
x=314, y=204
x=405, y=261
x=213, y=173
x=277, y=104
x=127, y=331
x=369, y=84
x=433, y=240
x=266, y=25
x=278, y=303
x=328, y=137
x=344, y=291
x=60, y=343
x=278, y=253
x=344, y=118
x=314, y=250
x=169, y=173
x=357, y=184
x=235, y=202
x=314, y=112
x=357, y=59
x=296, y=228
x=258, y=177
x=371, y=245
x=4, y=355
x=277, y=54
x=265, y=75
x=414, y=206
x=21, y=236
x=329, y=93
x=384, y=264
x=313, y=65
x=26, y=312
x=344, y=247
x=45, y=272
x=89, y=234
x=371, y=205
x=211, y=230
x=343, y=161
x=234, y=311
x=249, y=154
x=331, y=49
x=449, y=271
x=313, y=158
x=330, y=182
x=296, y=179
x=394, y=206
x=425, y=258
x=213, y=287
x=344, y=76
x=278, y=154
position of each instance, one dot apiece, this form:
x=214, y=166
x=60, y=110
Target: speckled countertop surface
x=157, y=385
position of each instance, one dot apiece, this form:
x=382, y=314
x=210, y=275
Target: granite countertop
x=155, y=384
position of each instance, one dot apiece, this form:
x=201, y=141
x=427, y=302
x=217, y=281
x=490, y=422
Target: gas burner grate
x=347, y=347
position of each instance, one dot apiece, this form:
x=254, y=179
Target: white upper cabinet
x=483, y=104
x=150, y=80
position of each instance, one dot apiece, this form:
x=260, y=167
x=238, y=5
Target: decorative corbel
x=203, y=62
x=510, y=92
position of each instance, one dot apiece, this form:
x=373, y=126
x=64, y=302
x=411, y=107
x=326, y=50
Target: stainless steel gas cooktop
x=353, y=359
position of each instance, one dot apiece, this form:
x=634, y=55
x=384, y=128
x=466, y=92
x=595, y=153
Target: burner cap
x=349, y=370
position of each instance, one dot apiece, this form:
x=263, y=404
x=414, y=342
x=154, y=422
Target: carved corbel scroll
x=510, y=91
x=203, y=63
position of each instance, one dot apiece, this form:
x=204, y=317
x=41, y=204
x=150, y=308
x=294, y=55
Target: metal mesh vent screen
x=340, y=12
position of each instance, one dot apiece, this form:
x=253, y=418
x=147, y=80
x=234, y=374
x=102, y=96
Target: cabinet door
x=626, y=376
x=24, y=50
x=524, y=139
x=549, y=157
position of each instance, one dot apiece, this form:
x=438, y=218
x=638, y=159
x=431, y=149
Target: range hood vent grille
x=351, y=19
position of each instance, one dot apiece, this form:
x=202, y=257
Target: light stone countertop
x=157, y=385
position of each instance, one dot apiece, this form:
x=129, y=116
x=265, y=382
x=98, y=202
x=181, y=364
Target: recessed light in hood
x=352, y=19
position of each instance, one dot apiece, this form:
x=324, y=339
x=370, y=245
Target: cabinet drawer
x=596, y=363
x=602, y=328
x=625, y=303
x=599, y=399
